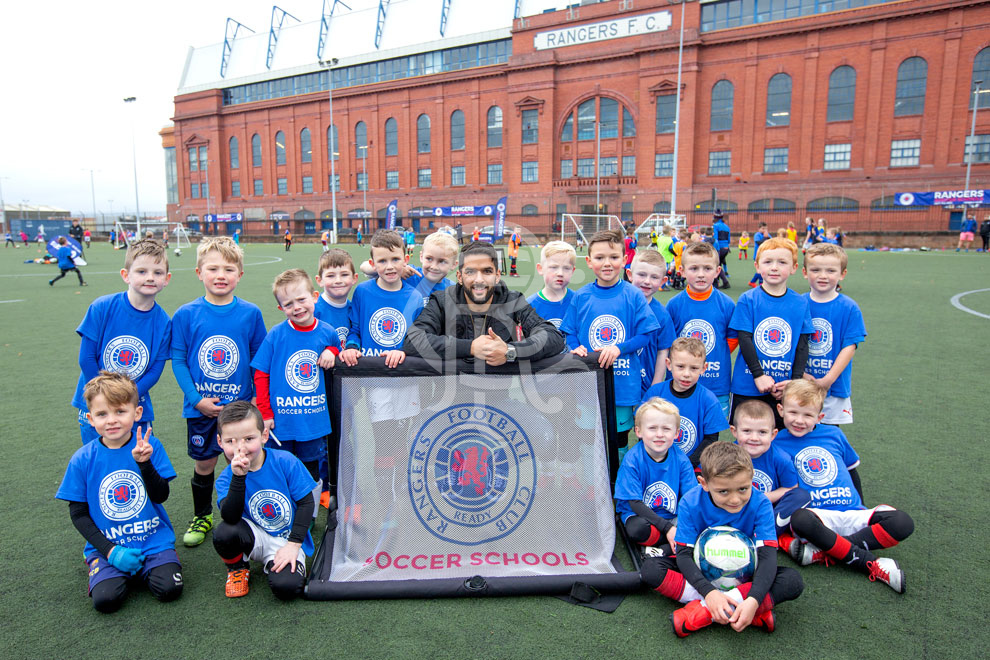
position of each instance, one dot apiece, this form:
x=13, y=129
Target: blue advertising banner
x=73, y=245
x=499, y=223
x=229, y=217
x=942, y=198
x=390, y=214
x=460, y=211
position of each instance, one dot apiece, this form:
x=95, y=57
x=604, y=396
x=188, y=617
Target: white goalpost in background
x=659, y=220
x=575, y=228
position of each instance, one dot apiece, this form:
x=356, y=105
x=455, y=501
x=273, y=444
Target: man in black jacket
x=481, y=318
x=76, y=232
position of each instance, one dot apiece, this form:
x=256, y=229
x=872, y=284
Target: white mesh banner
x=462, y=475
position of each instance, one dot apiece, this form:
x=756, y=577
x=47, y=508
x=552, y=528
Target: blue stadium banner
x=460, y=211
x=942, y=198
x=499, y=223
x=390, y=215
x=226, y=217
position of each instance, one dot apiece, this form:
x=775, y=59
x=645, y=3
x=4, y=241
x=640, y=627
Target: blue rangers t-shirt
x=271, y=492
x=128, y=341
x=823, y=458
x=426, y=287
x=838, y=323
x=772, y=470
x=661, y=341
x=379, y=319
x=659, y=484
x=551, y=311
x=337, y=317
x=612, y=316
x=776, y=322
x=708, y=321
x=219, y=342
x=697, y=513
x=109, y=482
x=700, y=411
x=296, y=387
x=969, y=224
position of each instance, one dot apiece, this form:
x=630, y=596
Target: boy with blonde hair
x=127, y=332
x=557, y=265
x=214, y=339
x=836, y=527
x=649, y=274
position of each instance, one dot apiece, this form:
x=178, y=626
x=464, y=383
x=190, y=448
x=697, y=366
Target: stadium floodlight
x=137, y=205
x=329, y=65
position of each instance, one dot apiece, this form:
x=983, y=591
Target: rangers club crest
x=472, y=474
x=301, y=372
x=660, y=496
x=773, y=336
x=126, y=355
x=816, y=466
x=606, y=330
x=122, y=495
x=342, y=334
x=687, y=437
x=271, y=510
x=387, y=327
x=762, y=482
x=701, y=330
x=820, y=343
x=218, y=357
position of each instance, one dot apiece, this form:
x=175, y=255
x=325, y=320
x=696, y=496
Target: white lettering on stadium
x=592, y=32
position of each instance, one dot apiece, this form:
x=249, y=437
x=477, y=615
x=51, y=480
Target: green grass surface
x=920, y=394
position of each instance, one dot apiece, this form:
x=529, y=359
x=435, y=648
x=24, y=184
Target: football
x=726, y=556
x=178, y=252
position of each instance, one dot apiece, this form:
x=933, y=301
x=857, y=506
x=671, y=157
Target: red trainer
x=790, y=545
x=237, y=583
x=766, y=620
x=691, y=618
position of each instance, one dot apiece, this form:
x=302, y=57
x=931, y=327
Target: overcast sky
x=67, y=66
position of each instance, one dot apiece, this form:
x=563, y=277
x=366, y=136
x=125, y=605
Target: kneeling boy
x=266, y=503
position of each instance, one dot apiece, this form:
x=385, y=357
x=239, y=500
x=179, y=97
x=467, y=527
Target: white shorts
x=838, y=410
x=845, y=523
x=266, y=545
x=398, y=402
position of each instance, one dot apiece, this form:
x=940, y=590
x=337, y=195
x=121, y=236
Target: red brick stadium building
x=788, y=108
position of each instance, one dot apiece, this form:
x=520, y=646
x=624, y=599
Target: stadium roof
x=409, y=27
x=32, y=208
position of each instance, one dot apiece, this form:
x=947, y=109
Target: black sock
x=202, y=494
x=314, y=469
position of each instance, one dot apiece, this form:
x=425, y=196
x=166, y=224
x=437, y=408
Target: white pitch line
x=272, y=260
x=10, y=301
x=958, y=305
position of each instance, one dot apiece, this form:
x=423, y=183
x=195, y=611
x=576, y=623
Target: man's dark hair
x=477, y=247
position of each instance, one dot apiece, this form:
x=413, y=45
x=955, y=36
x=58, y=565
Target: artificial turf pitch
x=920, y=396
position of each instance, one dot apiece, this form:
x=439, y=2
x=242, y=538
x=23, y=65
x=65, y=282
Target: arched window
x=280, y=148
x=628, y=124
x=423, y=140
x=567, y=132
x=235, y=156
x=841, y=94
x=391, y=137
x=255, y=150
x=722, y=93
x=981, y=71
x=305, y=146
x=779, y=100
x=609, y=109
x=456, y=130
x=586, y=120
x=333, y=145
x=767, y=205
x=912, y=76
x=661, y=207
x=494, y=126
x=833, y=204
x=530, y=209
x=360, y=136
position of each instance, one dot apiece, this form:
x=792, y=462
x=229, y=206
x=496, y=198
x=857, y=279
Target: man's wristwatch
x=510, y=353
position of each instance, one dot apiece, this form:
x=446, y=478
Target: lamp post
x=328, y=65
x=364, y=167
x=137, y=205
x=598, y=170
x=677, y=116
x=972, y=130
x=92, y=191
x=3, y=207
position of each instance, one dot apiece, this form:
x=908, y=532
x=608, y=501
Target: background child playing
x=556, y=266
x=117, y=485
x=759, y=237
x=266, y=503
x=127, y=332
x=836, y=527
x=515, y=240
x=649, y=273
x=744, y=245
x=65, y=262
x=214, y=339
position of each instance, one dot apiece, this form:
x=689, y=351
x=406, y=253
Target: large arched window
x=235, y=156
x=423, y=141
x=456, y=130
x=912, y=76
x=628, y=123
x=981, y=71
x=610, y=118
x=567, y=132
x=360, y=136
x=841, y=94
x=280, y=148
x=333, y=145
x=305, y=146
x=722, y=93
x=391, y=137
x=779, y=100
x=586, y=120
x=530, y=209
x=833, y=204
x=255, y=150
x=494, y=126
x=602, y=112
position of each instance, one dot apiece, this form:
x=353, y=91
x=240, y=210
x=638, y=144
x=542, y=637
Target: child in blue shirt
x=336, y=276
x=116, y=487
x=127, y=332
x=611, y=316
x=761, y=235
x=556, y=266
x=648, y=273
x=65, y=262
x=214, y=339
x=437, y=259
x=266, y=503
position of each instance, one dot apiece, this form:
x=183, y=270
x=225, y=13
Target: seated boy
x=557, y=262
x=648, y=274
x=266, y=505
x=116, y=486
x=725, y=497
x=836, y=528
x=335, y=275
x=773, y=473
x=701, y=416
x=653, y=476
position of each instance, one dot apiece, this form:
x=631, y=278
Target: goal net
x=127, y=231
x=578, y=227
x=181, y=236
x=657, y=221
